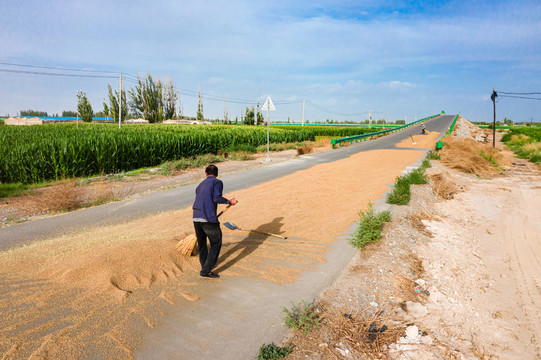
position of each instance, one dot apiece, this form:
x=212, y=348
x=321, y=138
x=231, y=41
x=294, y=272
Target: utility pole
x=493, y=97
x=531, y=122
x=384, y=117
x=303, y=104
x=120, y=101
x=370, y=118
x=225, y=104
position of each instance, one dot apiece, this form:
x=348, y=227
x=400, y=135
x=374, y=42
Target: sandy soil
x=94, y=291
x=474, y=261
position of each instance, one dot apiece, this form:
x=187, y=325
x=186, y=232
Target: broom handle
x=224, y=210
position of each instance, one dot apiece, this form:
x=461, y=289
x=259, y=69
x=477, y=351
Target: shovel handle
x=269, y=234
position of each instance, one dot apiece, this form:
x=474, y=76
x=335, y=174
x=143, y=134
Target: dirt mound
x=470, y=156
x=466, y=130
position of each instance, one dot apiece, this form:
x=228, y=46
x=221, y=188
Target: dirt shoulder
x=450, y=278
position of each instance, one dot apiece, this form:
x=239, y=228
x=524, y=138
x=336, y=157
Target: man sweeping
x=205, y=220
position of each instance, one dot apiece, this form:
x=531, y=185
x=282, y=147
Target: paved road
x=181, y=197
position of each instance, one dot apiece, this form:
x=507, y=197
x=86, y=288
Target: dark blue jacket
x=207, y=197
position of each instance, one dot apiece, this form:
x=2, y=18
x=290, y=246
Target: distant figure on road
x=205, y=220
x=423, y=129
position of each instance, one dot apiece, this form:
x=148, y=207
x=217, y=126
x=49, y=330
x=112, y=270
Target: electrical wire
x=60, y=68
x=518, y=93
x=56, y=74
x=519, y=97
x=129, y=78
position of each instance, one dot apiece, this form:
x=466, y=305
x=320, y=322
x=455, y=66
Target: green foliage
x=84, y=108
x=277, y=147
x=401, y=192
x=170, y=98
x=242, y=147
x=27, y=113
x=69, y=113
x=249, y=118
x=370, y=226
x=273, y=352
x=433, y=155
x=200, y=115
x=400, y=122
x=426, y=164
x=302, y=316
x=113, y=104
x=12, y=189
x=1, y=121
x=490, y=158
x=525, y=142
x=147, y=99
x=260, y=119
x=190, y=162
x=55, y=151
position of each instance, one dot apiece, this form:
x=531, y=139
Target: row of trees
x=150, y=99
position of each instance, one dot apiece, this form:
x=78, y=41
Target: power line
x=518, y=97
x=56, y=74
x=320, y=108
x=519, y=93
x=60, y=68
x=135, y=80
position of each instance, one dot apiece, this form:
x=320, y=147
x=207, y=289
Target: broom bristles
x=187, y=245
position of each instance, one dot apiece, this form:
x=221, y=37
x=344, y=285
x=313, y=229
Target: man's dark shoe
x=210, y=275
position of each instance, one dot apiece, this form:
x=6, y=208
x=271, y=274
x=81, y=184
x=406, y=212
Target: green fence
x=350, y=125
x=369, y=136
x=451, y=128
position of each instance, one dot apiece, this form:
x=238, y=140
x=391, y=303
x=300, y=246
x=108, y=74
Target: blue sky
x=405, y=58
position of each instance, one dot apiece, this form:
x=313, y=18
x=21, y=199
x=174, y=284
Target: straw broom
x=186, y=246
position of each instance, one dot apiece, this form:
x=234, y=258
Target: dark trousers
x=213, y=232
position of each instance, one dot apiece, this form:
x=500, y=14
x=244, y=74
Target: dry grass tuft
x=65, y=196
x=417, y=221
x=442, y=187
x=342, y=333
x=471, y=157
x=305, y=149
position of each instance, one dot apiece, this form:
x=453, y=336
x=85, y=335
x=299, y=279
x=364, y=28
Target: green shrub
x=370, y=226
x=433, y=155
x=12, y=189
x=273, y=352
x=242, y=147
x=417, y=176
x=426, y=164
x=401, y=193
x=302, y=316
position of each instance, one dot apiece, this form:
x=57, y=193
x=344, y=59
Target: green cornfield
x=50, y=152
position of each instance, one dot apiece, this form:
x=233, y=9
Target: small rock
x=427, y=340
x=374, y=304
x=412, y=334
x=416, y=309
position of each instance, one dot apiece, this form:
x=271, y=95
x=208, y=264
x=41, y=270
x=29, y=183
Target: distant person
x=423, y=129
x=205, y=220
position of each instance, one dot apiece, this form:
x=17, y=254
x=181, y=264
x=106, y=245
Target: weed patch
x=433, y=155
x=12, y=189
x=302, y=316
x=401, y=193
x=273, y=352
x=370, y=226
x=305, y=149
x=187, y=163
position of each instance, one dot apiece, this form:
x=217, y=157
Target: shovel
x=235, y=227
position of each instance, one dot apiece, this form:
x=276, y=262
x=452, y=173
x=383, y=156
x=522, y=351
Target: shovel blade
x=230, y=226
